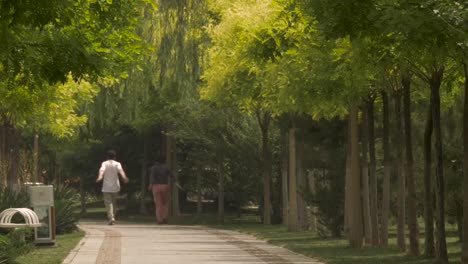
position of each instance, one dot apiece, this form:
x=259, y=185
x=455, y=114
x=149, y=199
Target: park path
x=171, y=244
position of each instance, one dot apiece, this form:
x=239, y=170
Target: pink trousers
x=161, y=202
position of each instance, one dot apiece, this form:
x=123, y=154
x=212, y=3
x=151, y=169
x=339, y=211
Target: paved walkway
x=140, y=244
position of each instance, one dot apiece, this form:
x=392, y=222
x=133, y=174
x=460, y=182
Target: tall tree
x=412, y=199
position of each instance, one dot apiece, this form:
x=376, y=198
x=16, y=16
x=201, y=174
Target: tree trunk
x=313, y=218
x=436, y=80
x=465, y=170
x=292, y=222
x=82, y=196
x=401, y=200
x=365, y=179
x=387, y=173
x=221, y=192
x=429, y=248
x=175, y=175
x=144, y=176
x=14, y=158
x=301, y=185
x=355, y=206
x=199, y=193
x=284, y=179
x=347, y=181
x=35, y=159
x=3, y=157
x=412, y=213
x=372, y=174
x=264, y=122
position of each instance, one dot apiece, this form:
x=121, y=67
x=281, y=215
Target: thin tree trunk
x=292, y=222
x=221, y=191
x=82, y=196
x=313, y=218
x=401, y=200
x=355, y=205
x=464, y=258
x=347, y=181
x=284, y=179
x=168, y=150
x=387, y=172
x=175, y=175
x=14, y=161
x=3, y=157
x=199, y=193
x=372, y=174
x=35, y=159
x=436, y=81
x=144, y=176
x=365, y=179
x=429, y=248
x=264, y=122
x=301, y=184
x=412, y=213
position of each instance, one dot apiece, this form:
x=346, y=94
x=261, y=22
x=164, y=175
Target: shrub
x=14, y=244
x=67, y=201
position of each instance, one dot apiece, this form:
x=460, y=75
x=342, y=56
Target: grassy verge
x=337, y=251
x=52, y=255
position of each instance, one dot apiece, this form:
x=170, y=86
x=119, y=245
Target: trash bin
x=41, y=198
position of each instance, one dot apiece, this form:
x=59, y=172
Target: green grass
x=337, y=251
x=52, y=255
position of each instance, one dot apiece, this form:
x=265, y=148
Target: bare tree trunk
x=355, y=210
x=429, y=248
x=264, y=122
x=35, y=159
x=313, y=218
x=372, y=174
x=3, y=157
x=301, y=203
x=292, y=222
x=284, y=180
x=169, y=163
x=175, y=175
x=221, y=191
x=365, y=179
x=412, y=214
x=82, y=196
x=347, y=181
x=464, y=258
x=199, y=193
x=401, y=200
x=387, y=172
x=144, y=176
x=14, y=147
x=436, y=80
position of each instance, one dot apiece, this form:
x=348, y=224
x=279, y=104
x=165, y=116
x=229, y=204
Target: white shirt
x=111, y=183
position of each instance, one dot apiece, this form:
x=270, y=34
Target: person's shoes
x=111, y=222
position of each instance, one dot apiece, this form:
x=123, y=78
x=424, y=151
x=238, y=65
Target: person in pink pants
x=159, y=186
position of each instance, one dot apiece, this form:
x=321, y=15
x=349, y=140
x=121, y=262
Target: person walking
x=109, y=174
x=159, y=186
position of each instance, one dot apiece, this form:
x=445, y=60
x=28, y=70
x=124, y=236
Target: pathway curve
x=170, y=244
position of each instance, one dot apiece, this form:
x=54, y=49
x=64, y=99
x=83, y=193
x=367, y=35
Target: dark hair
x=110, y=154
x=160, y=158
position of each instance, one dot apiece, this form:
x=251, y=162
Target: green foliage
x=14, y=244
x=10, y=198
x=66, y=203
